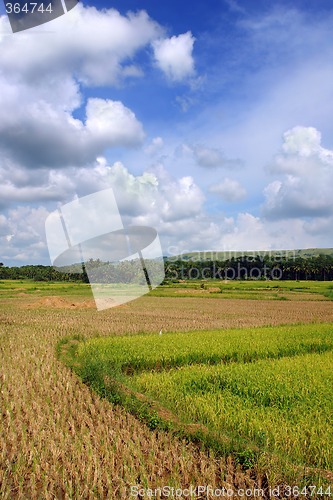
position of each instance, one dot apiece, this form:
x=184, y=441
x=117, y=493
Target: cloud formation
x=152, y=199
x=43, y=77
x=174, y=56
x=175, y=207
x=306, y=187
x=38, y=134
x=96, y=46
x=271, y=71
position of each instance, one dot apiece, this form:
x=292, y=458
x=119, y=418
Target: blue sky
x=211, y=122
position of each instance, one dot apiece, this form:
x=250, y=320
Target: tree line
x=259, y=267
x=297, y=268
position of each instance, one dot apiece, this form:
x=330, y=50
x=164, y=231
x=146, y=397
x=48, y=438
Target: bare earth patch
x=60, y=302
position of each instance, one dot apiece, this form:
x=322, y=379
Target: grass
x=262, y=393
x=247, y=289
x=19, y=288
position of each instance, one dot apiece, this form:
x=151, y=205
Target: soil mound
x=60, y=302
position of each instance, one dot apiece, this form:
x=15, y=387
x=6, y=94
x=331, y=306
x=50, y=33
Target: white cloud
x=135, y=195
x=174, y=56
x=319, y=226
x=155, y=198
x=229, y=190
x=95, y=46
x=111, y=123
x=37, y=134
x=183, y=199
x=41, y=79
x=302, y=152
x=302, y=141
x=173, y=206
x=4, y=226
x=306, y=189
x=234, y=6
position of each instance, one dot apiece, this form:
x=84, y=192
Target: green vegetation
x=256, y=290
x=247, y=289
x=162, y=352
x=312, y=264
x=262, y=394
x=283, y=407
x=251, y=267
x=21, y=288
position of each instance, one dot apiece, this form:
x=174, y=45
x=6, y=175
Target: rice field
x=60, y=439
x=162, y=352
x=264, y=393
x=284, y=407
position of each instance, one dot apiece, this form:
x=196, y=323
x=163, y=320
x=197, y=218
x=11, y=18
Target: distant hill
x=212, y=255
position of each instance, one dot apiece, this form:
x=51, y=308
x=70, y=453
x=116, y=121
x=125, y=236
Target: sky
x=211, y=121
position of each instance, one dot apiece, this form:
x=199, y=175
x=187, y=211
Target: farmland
x=267, y=389
x=60, y=439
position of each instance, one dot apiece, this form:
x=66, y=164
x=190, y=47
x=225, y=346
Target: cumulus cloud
x=39, y=135
x=112, y=123
x=171, y=205
x=19, y=185
x=46, y=123
x=184, y=200
x=155, y=197
x=174, y=56
x=317, y=226
x=306, y=188
x=70, y=48
x=42, y=77
x=301, y=152
x=229, y=190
